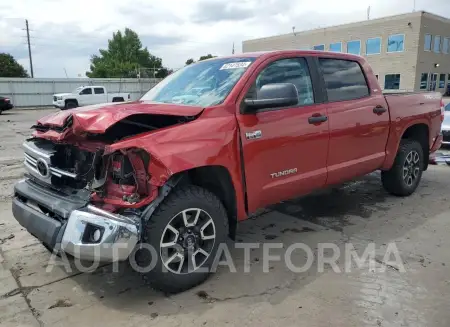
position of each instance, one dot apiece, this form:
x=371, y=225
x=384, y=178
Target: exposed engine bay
x=82, y=165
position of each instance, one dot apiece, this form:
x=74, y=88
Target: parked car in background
x=87, y=95
x=179, y=169
x=446, y=126
x=5, y=104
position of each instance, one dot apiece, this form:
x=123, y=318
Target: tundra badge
x=253, y=135
x=284, y=173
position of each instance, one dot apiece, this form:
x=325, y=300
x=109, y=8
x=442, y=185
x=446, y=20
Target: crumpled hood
x=98, y=118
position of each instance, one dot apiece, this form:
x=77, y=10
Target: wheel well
x=420, y=133
x=71, y=100
x=118, y=99
x=217, y=180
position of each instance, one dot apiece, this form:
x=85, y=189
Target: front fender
x=202, y=142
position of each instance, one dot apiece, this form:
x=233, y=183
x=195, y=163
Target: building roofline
x=352, y=24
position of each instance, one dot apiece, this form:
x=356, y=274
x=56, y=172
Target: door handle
x=317, y=119
x=379, y=110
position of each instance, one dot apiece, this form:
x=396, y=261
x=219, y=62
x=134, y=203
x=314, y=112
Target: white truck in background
x=86, y=96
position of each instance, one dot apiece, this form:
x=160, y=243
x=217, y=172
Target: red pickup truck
x=208, y=146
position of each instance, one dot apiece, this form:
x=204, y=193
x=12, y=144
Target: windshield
x=77, y=90
x=447, y=107
x=205, y=83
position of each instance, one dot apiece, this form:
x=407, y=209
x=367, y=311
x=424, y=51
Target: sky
x=66, y=33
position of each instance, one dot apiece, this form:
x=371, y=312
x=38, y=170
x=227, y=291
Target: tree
x=208, y=56
x=125, y=57
x=192, y=61
x=9, y=67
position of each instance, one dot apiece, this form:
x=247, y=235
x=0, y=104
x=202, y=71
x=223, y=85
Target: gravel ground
x=358, y=213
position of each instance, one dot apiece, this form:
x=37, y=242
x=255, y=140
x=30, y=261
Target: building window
x=392, y=82
x=445, y=45
x=442, y=81
x=447, y=92
x=336, y=47
x=396, y=43
x=344, y=79
x=354, y=47
x=373, y=46
x=428, y=42
x=437, y=44
x=424, y=81
x=320, y=47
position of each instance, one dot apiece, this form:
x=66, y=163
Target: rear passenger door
x=358, y=121
x=284, y=150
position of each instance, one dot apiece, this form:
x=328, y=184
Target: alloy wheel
x=187, y=241
x=411, y=168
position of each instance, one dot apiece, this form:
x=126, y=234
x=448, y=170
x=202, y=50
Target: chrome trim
x=115, y=217
x=31, y=163
x=62, y=172
x=39, y=153
x=119, y=238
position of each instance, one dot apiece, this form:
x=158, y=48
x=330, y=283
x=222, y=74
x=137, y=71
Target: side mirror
x=273, y=95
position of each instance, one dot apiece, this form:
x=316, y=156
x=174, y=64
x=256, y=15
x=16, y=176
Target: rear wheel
x=118, y=99
x=405, y=175
x=185, y=231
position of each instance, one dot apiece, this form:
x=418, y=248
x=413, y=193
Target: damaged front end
x=83, y=198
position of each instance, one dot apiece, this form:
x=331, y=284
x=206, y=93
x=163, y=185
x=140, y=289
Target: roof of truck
x=299, y=52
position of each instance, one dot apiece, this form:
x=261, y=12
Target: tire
x=118, y=100
x=394, y=180
x=70, y=105
x=164, y=277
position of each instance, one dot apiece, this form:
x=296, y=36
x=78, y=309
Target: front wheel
x=405, y=175
x=185, y=232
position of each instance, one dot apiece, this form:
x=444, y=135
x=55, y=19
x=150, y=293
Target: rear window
x=344, y=79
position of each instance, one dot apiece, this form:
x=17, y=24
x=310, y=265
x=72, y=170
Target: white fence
x=37, y=92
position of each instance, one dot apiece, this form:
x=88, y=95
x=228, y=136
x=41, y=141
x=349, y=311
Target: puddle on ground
x=332, y=207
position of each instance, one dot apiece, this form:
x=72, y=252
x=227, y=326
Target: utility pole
x=29, y=48
x=232, y=51
x=414, y=6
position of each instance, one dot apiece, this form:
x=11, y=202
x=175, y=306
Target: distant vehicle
x=86, y=96
x=446, y=125
x=5, y=104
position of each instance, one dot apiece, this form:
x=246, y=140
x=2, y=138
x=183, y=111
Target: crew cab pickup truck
x=174, y=172
x=87, y=95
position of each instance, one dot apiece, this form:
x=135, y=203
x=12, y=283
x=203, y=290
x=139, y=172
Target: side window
x=86, y=91
x=99, y=90
x=344, y=79
x=293, y=71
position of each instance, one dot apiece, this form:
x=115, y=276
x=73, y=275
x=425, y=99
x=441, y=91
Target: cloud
x=208, y=11
x=65, y=33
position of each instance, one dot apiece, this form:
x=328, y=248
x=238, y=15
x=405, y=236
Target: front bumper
x=67, y=223
x=58, y=104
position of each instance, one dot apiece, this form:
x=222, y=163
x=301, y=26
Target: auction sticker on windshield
x=235, y=65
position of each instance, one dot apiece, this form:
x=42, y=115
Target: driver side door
x=85, y=97
x=284, y=152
